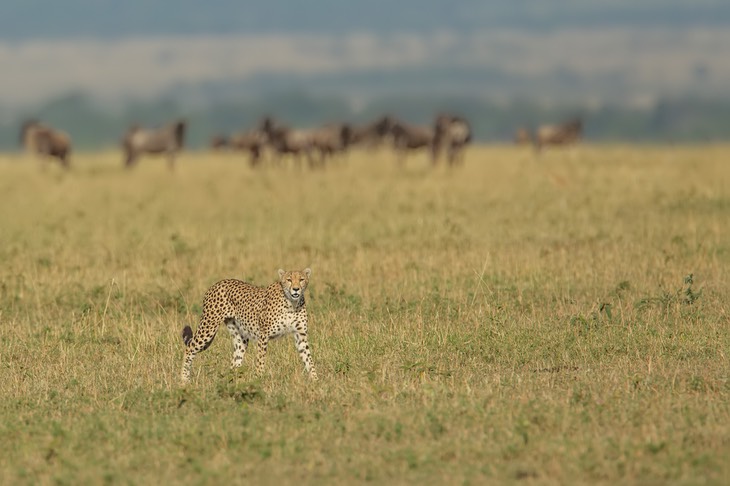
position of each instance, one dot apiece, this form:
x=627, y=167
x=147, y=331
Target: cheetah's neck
x=295, y=304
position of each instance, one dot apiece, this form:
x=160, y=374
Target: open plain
x=561, y=318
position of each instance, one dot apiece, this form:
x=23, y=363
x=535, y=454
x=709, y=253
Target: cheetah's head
x=294, y=282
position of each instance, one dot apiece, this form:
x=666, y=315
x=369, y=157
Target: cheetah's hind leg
x=194, y=344
x=239, y=343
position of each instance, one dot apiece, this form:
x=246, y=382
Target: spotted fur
x=251, y=312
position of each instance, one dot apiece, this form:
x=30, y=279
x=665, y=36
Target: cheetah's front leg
x=261, y=347
x=187, y=366
x=300, y=338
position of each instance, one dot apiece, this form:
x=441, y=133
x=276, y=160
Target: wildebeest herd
x=318, y=145
x=447, y=136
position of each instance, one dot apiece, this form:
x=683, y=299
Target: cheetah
x=251, y=312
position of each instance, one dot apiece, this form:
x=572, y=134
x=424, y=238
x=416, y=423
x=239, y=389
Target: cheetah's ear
x=281, y=273
x=307, y=272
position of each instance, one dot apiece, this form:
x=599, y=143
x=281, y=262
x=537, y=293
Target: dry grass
x=518, y=319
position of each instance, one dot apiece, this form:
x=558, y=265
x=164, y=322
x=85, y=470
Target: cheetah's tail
x=187, y=334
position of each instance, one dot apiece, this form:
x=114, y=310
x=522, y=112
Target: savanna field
x=559, y=319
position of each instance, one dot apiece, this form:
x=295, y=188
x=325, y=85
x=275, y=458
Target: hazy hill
x=28, y=19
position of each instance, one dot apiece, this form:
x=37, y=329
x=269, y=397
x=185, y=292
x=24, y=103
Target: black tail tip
x=187, y=334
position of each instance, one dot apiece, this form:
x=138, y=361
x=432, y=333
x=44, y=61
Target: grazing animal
x=168, y=139
x=522, y=136
x=452, y=132
x=251, y=312
x=410, y=137
x=251, y=141
x=218, y=142
x=41, y=139
x=285, y=140
x=329, y=140
x=372, y=134
x=565, y=133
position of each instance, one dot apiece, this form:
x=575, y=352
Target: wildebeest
x=522, y=136
x=218, y=142
x=168, y=139
x=565, y=133
x=251, y=141
x=284, y=140
x=40, y=138
x=410, y=137
x=330, y=139
x=453, y=133
x=372, y=133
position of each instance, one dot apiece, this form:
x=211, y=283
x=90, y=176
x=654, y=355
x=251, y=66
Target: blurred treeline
x=94, y=125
